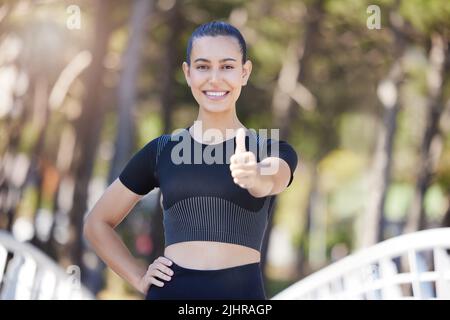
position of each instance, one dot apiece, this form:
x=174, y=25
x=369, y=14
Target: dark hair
x=213, y=29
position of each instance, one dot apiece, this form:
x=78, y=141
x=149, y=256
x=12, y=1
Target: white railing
x=410, y=266
x=27, y=274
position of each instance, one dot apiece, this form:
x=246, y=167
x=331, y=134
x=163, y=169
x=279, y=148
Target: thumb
x=240, y=141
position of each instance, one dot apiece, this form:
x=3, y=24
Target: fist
x=243, y=164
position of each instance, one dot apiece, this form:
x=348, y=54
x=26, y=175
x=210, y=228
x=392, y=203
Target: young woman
x=217, y=188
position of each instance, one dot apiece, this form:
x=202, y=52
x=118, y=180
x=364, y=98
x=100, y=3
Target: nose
x=215, y=76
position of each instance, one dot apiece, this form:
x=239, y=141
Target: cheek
x=235, y=80
x=198, y=78
x=196, y=85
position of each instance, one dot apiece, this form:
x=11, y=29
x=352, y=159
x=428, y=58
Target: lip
x=216, y=98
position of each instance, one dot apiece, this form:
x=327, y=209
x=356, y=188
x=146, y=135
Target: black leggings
x=242, y=282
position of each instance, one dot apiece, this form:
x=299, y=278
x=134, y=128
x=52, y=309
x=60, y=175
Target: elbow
x=93, y=228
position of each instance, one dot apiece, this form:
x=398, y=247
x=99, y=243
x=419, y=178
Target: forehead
x=215, y=48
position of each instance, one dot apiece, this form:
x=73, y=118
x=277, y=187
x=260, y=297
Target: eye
x=228, y=67
x=203, y=67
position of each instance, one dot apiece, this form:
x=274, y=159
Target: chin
x=216, y=109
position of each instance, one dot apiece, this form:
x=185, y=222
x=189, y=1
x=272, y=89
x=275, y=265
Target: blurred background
x=360, y=88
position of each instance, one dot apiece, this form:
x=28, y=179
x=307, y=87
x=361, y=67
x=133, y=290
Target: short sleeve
x=138, y=174
x=283, y=150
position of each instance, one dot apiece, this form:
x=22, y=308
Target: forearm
x=264, y=180
x=111, y=249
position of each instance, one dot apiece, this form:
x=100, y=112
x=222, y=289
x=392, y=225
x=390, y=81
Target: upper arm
x=114, y=205
x=283, y=178
x=136, y=180
x=287, y=162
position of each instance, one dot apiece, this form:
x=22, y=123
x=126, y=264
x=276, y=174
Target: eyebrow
x=206, y=60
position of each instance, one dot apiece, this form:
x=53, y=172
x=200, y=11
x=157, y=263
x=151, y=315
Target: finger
x=240, y=174
x=156, y=282
x=243, y=166
x=240, y=141
x=242, y=185
x=244, y=158
x=163, y=268
x=164, y=260
x=161, y=275
x=241, y=158
x=234, y=159
x=247, y=180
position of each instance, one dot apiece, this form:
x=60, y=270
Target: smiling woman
x=215, y=214
x=216, y=69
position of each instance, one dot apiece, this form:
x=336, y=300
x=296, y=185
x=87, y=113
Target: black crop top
x=200, y=200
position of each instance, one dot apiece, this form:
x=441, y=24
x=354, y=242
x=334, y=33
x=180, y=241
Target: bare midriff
x=210, y=255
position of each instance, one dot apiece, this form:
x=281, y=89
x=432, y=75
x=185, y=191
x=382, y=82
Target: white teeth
x=215, y=94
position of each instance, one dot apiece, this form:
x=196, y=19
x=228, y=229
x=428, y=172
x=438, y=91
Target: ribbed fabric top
x=215, y=219
x=200, y=201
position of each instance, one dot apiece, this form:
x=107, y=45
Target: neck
x=218, y=120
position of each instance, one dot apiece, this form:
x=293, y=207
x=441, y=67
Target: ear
x=186, y=72
x=246, y=71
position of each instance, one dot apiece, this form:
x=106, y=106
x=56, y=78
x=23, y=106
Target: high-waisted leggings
x=242, y=282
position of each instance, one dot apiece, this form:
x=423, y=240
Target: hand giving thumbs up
x=243, y=164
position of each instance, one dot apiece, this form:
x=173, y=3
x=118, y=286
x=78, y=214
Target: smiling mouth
x=216, y=95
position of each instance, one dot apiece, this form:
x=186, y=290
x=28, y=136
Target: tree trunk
x=131, y=61
x=175, y=21
x=88, y=128
x=372, y=226
x=9, y=192
x=446, y=219
x=36, y=170
x=125, y=140
x=290, y=85
x=431, y=145
x=284, y=108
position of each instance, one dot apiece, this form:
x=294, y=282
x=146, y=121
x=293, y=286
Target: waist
x=210, y=255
